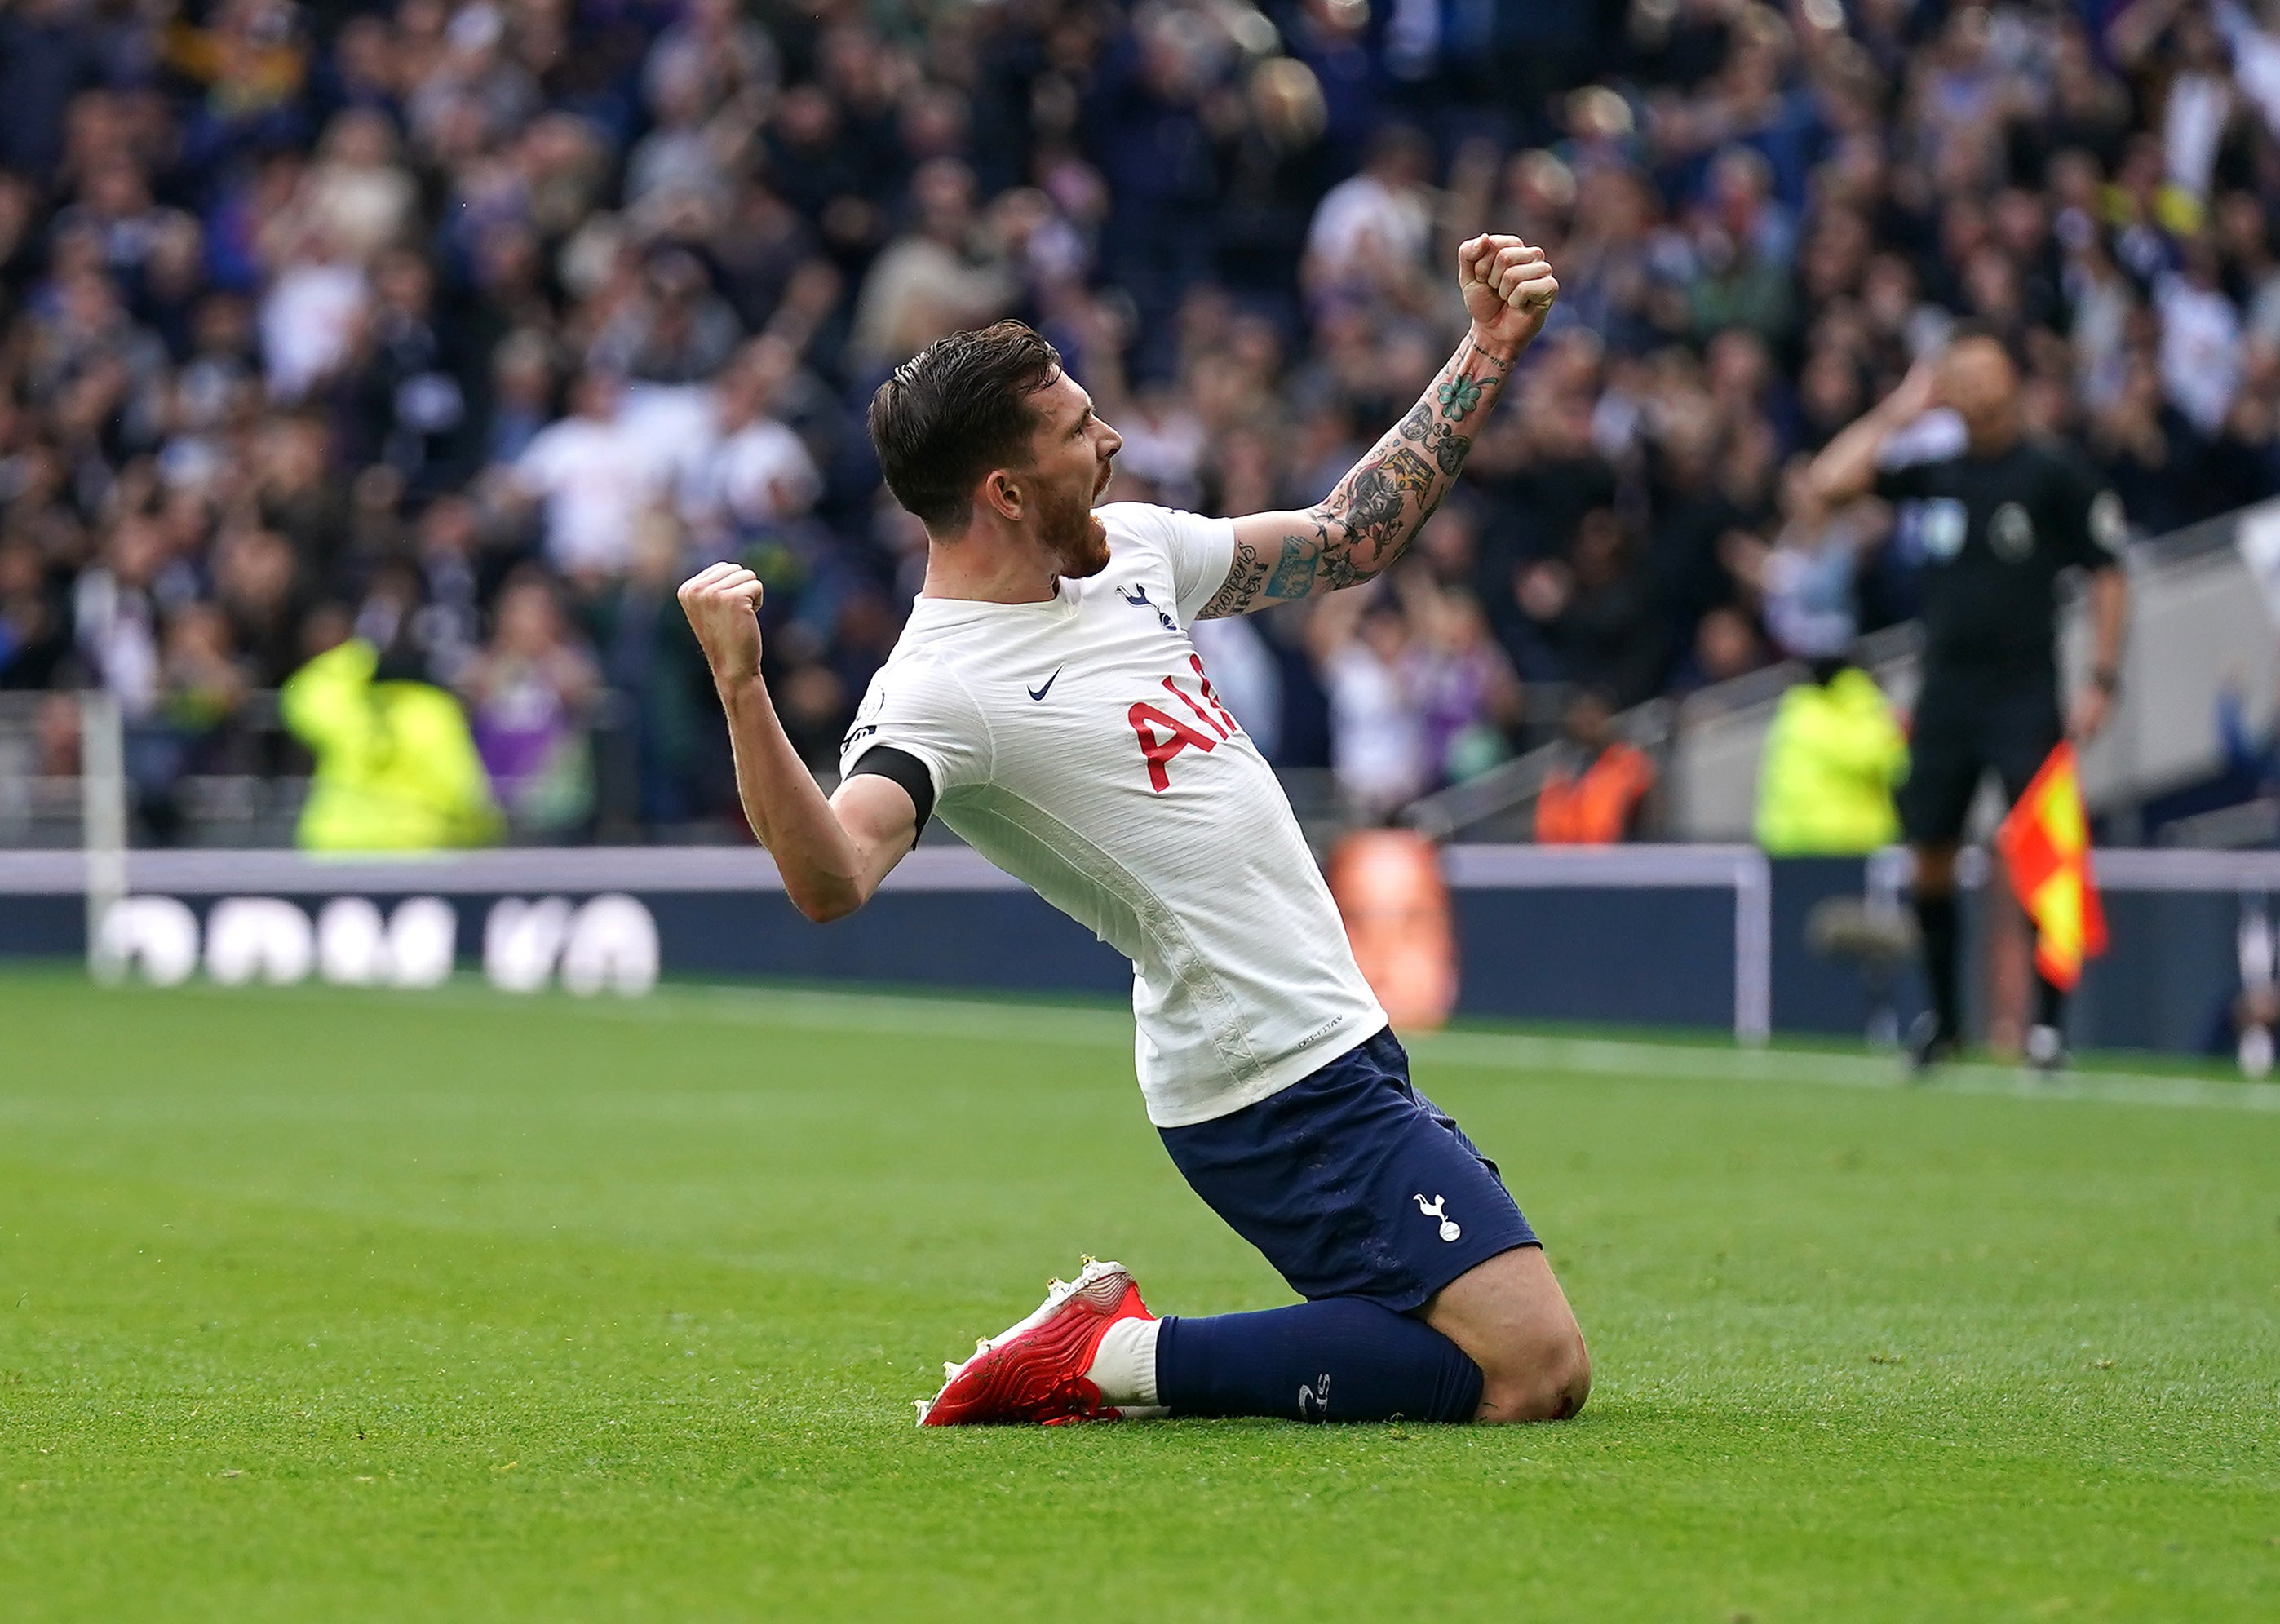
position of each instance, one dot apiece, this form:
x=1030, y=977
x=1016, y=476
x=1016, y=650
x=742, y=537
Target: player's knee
x=1544, y=1377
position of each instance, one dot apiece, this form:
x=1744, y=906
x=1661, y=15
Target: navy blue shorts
x=1353, y=1183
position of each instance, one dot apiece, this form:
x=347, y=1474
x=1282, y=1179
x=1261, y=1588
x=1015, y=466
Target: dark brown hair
x=953, y=412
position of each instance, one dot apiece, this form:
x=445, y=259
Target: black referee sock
x=1339, y=1359
x=1936, y=920
x=2050, y=1003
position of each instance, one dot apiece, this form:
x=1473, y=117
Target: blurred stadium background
x=374, y=367
x=370, y=373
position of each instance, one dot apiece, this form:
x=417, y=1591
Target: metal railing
x=1708, y=746
x=1500, y=804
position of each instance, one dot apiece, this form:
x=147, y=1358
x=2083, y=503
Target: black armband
x=901, y=767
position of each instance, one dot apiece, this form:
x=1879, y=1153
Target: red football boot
x=1035, y=1370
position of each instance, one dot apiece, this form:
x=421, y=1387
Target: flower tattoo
x=1458, y=397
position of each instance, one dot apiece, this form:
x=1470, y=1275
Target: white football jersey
x=1078, y=744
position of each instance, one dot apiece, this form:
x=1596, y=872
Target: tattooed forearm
x=1377, y=509
x=1294, y=567
x=1288, y=568
x=1449, y=448
x=1240, y=591
x=1408, y=471
x=1458, y=397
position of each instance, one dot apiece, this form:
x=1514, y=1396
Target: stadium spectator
x=1369, y=237
x=34, y=635
x=528, y=694
x=396, y=770
x=1833, y=758
x=1379, y=747
x=745, y=473
x=1726, y=646
x=257, y=586
x=46, y=57
x=1806, y=581
x=942, y=275
x=1587, y=618
x=658, y=681
x=1596, y=792
x=1467, y=697
x=250, y=252
x=2251, y=764
x=595, y=477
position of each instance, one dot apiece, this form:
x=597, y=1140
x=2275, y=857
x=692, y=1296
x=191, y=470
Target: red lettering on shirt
x=1147, y=721
x=1202, y=715
x=1196, y=660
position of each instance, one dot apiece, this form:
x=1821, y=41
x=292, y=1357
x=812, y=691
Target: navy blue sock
x=1340, y=1359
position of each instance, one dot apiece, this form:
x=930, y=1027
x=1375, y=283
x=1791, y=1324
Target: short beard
x=1076, y=540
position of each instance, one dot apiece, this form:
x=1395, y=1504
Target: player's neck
x=989, y=564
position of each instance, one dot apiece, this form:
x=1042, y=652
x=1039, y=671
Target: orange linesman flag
x=2046, y=846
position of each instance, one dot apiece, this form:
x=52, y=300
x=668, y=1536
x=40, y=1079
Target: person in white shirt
x=731, y=471
x=1378, y=750
x=1047, y=700
x=596, y=474
x=752, y=471
x=1373, y=229
x=310, y=319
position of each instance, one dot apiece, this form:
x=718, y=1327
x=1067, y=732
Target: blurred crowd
x=465, y=328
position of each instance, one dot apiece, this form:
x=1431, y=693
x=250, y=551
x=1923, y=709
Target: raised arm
x=1846, y=467
x=831, y=853
x=1384, y=499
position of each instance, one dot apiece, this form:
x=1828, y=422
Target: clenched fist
x=1508, y=288
x=722, y=603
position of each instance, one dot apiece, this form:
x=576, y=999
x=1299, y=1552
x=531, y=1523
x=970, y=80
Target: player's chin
x=1093, y=557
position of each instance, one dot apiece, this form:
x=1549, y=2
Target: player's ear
x=1003, y=495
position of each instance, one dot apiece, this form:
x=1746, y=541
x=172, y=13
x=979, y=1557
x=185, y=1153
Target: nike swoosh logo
x=1039, y=693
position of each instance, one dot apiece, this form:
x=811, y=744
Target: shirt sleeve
x=924, y=711
x=2092, y=528
x=1200, y=551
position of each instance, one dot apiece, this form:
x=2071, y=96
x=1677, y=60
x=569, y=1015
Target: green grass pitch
x=320, y=1304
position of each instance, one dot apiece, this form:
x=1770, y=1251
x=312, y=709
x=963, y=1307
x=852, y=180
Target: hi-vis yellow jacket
x=1832, y=758
x=396, y=768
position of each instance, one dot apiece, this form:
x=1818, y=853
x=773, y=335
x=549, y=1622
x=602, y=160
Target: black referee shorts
x=1966, y=724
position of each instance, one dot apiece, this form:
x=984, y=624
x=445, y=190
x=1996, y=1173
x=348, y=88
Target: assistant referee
x=1999, y=523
